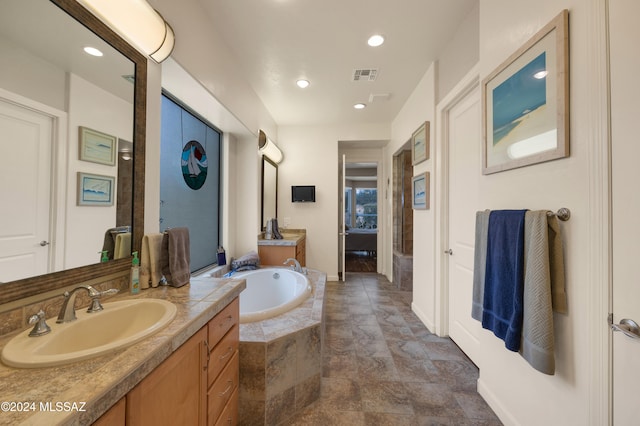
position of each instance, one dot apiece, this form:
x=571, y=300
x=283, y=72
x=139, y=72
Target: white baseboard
x=424, y=318
x=501, y=411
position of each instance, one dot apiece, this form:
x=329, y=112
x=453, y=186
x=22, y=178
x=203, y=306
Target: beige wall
x=311, y=158
x=420, y=107
x=506, y=379
x=88, y=107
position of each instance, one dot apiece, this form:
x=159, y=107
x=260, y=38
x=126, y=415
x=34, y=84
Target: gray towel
x=543, y=277
x=175, y=256
x=479, y=262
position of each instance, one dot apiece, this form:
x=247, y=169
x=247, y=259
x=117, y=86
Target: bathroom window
x=361, y=207
x=190, y=180
x=366, y=212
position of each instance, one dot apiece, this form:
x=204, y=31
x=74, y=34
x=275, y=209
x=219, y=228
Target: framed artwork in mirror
x=97, y=147
x=420, y=144
x=525, y=102
x=95, y=190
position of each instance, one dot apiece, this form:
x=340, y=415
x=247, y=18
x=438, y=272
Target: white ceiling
x=50, y=35
x=277, y=42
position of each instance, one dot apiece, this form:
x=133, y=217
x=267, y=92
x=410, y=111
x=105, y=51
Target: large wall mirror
x=269, y=190
x=45, y=72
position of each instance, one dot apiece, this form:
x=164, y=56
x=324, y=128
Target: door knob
x=44, y=243
x=449, y=252
x=629, y=327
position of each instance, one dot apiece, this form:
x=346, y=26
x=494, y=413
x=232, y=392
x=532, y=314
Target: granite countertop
x=291, y=237
x=86, y=389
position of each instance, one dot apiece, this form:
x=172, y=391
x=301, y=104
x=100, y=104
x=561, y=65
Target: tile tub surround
x=281, y=361
x=102, y=381
x=403, y=271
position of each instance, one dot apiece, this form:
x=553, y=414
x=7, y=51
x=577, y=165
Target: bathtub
x=271, y=292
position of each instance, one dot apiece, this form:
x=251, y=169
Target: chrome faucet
x=41, y=327
x=296, y=265
x=68, y=312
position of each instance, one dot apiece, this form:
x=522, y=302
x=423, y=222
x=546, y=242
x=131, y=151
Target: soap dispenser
x=135, y=274
x=104, y=256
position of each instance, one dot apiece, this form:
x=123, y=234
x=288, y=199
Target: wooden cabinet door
x=175, y=392
x=275, y=255
x=115, y=416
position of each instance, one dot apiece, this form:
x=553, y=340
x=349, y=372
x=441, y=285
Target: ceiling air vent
x=365, y=74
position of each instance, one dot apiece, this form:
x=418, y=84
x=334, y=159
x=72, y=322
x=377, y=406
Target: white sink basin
x=120, y=324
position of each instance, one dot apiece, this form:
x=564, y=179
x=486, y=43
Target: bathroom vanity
x=187, y=373
x=275, y=252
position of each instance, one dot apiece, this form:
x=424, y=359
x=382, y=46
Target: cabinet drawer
x=230, y=414
x=222, y=353
x=223, y=390
x=223, y=322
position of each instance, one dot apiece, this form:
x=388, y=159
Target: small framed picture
x=95, y=190
x=97, y=147
x=420, y=144
x=420, y=191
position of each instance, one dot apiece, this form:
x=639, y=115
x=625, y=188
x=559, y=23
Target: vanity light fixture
x=302, y=83
x=92, y=51
x=138, y=23
x=267, y=147
x=360, y=106
x=375, y=40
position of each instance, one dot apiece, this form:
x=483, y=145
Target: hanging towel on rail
x=175, y=256
x=543, y=277
x=503, y=287
x=479, y=262
x=150, y=269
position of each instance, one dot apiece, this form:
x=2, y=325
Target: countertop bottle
x=135, y=274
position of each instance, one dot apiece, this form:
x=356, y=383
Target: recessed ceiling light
x=375, y=40
x=303, y=84
x=92, y=51
x=360, y=106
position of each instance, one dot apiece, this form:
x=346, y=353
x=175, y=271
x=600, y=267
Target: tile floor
x=381, y=366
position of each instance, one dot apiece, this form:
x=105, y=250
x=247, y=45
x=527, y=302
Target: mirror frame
x=265, y=160
x=20, y=289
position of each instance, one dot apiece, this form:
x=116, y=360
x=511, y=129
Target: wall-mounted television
x=303, y=194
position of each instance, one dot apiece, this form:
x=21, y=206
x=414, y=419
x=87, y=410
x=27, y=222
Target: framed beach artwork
x=95, y=190
x=526, y=102
x=97, y=147
x=420, y=144
x=420, y=191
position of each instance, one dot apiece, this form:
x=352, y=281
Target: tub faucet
x=296, y=265
x=68, y=312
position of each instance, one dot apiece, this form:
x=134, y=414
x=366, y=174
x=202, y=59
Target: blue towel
x=504, y=279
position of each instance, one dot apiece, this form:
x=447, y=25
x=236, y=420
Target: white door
x=625, y=110
x=341, y=222
x=463, y=138
x=25, y=139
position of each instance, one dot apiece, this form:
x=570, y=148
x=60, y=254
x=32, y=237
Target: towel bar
x=563, y=214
